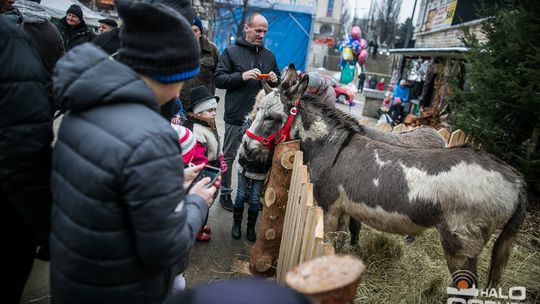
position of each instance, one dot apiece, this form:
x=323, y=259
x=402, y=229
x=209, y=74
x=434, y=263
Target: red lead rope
x=283, y=134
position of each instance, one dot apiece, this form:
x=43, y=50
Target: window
x=330, y=8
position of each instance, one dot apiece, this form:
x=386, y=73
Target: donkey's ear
x=290, y=78
x=301, y=87
x=296, y=91
x=266, y=87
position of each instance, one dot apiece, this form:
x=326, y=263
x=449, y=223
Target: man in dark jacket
x=121, y=220
x=73, y=29
x=209, y=62
x=45, y=37
x=239, y=72
x=25, y=159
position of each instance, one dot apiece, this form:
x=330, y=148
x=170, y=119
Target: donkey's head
x=273, y=118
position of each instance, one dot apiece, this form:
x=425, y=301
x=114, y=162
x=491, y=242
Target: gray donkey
x=466, y=194
x=424, y=137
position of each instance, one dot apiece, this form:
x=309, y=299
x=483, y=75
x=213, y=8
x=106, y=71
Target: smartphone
x=207, y=171
x=264, y=76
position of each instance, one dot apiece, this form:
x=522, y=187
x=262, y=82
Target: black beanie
x=156, y=41
x=75, y=10
x=183, y=7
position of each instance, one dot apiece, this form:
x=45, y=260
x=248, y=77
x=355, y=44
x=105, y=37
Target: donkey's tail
x=503, y=245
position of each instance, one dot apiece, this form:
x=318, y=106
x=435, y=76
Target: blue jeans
x=248, y=188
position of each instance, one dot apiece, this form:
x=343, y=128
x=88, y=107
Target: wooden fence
x=303, y=229
x=455, y=138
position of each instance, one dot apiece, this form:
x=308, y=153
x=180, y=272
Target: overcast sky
x=362, y=8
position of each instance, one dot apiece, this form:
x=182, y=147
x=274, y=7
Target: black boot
x=226, y=202
x=252, y=220
x=237, y=223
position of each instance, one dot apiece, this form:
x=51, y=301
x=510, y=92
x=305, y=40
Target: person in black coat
x=45, y=37
x=238, y=72
x=25, y=159
x=121, y=219
x=73, y=29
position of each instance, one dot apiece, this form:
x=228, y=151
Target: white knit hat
x=205, y=105
x=186, y=138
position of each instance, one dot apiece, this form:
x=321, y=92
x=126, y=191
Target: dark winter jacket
x=44, y=35
x=74, y=36
x=121, y=220
x=25, y=137
x=209, y=62
x=109, y=41
x=235, y=60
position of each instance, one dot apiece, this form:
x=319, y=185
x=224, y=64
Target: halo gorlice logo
x=463, y=289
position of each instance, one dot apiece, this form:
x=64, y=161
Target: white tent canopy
x=58, y=8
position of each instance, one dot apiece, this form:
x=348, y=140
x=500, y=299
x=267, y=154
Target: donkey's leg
x=462, y=243
x=354, y=229
x=342, y=230
x=331, y=224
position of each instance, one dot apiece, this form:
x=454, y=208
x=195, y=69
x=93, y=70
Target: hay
x=401, y=272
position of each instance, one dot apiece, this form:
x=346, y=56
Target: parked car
x=343, y=94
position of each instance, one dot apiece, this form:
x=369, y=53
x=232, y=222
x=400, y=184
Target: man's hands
x=207, y=193
x=190, y=173
x=252, y=74
x=273, y=77
x=200, y=189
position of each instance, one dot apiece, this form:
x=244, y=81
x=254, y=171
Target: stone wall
x=449, y=37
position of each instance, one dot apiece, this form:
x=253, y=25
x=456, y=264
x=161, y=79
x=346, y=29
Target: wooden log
x=444, y=133
x=457, y=138
x=328, y=279
x=265, y=251
x=384, y=126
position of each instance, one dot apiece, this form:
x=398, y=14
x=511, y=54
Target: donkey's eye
x=268, y=118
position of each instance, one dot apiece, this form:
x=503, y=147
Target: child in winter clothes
x=201, y=119
x=251, y=176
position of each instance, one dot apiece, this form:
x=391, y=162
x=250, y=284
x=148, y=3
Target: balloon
x=363, y=44
x=347, y=54
x=356, y=33
x=356, y=47
x=363, y=56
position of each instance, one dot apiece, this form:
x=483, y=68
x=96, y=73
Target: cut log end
x=270, y=234
x=325, y=274
x=263, y=263
x=269, y=196
x=287, y=160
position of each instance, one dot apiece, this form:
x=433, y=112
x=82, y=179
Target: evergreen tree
x=500, y=102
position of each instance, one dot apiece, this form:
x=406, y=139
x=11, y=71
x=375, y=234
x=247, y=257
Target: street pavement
x=208, y=261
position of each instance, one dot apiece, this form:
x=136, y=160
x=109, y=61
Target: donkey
x=424, y=137
x=465, y=193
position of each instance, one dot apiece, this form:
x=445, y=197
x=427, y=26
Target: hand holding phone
x=204, y=184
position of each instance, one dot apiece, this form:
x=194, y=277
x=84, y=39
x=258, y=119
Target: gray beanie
x=315, y=80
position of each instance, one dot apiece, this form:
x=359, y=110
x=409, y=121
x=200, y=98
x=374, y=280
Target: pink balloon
x=363, y=44
x=362, y=57
x=356, y=33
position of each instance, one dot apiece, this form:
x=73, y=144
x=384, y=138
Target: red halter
x=282, y=134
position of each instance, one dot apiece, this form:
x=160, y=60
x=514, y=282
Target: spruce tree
x=500, y=102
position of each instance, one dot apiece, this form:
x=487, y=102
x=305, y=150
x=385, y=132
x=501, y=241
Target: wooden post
x=328, y=279
x=265, y=251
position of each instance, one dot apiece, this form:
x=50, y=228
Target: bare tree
x=237, y=22
x=386, y=16
x=345, y=23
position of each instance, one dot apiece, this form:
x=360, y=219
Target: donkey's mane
x=339, y=119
